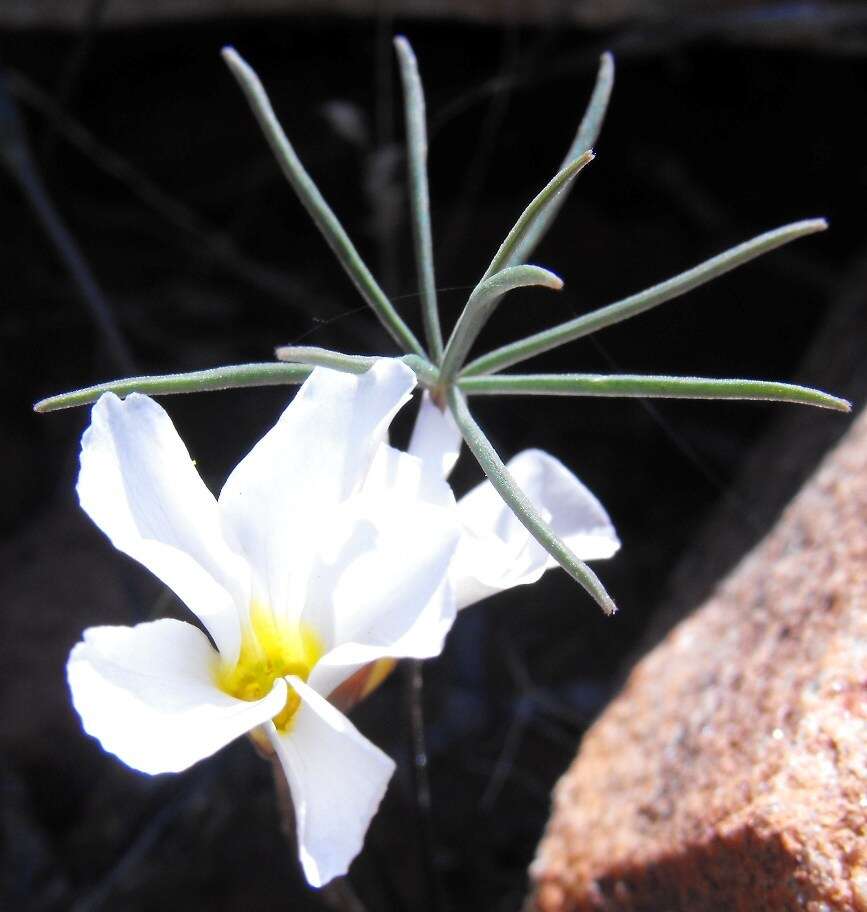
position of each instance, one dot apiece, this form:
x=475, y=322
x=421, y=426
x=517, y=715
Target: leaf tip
x=235, y=62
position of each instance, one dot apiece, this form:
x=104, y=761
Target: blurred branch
x=15, y=156
x=220, y=248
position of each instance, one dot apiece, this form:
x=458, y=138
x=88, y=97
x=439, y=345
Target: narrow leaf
x=482, y=303
x=520, y=504
x=352, y=364
x=324, y=357
x=546, y=198
x=584, y=141
x=660, y=387
x=645, y=300
x=216, y=378
x=419, y=199
x=313, y=201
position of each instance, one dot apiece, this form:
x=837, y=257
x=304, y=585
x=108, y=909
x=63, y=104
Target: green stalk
x=645, y=300
x=313, y=201
x=419, y=197
x=631, y=385
x=519, y=503
x=216, y=378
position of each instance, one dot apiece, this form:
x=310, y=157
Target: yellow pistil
x=271, y=650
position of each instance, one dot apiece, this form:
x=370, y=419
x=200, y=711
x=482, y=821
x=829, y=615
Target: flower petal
x=436, y=439
x=337, y=779
x=381, y=588
x=278, y=501
x=497, y=552
x=139, y=485
x=149, y=694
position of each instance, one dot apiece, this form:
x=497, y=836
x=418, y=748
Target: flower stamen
x=271, y=650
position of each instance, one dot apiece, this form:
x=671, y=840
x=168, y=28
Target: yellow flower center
x=271, y=650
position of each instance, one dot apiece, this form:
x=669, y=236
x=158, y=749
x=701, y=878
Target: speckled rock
x=731, y=772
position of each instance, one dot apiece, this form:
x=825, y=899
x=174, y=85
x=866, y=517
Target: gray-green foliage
x=442, y=368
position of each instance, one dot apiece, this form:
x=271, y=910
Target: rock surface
x=731, y=772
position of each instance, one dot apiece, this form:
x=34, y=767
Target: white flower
x=496, y=551
x=326, y=552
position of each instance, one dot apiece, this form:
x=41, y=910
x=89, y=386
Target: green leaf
x=324, y=357
x=352, y=364
x=416, y=147
x=644, y=300
x=216, y=378
x=532, y=215
x=482, y=303
x=313, y=201
x=650, y=386
x=584, y=141
x=519, y=503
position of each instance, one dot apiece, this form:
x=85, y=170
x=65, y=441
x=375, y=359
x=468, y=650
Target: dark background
x=721, y=126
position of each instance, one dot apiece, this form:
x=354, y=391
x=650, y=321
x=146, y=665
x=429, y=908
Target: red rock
x=731, y=772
